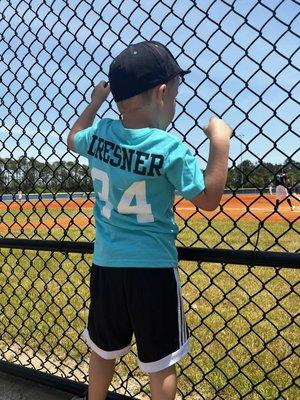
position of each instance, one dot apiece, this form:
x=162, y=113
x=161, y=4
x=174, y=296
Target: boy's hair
x=135, y=103
x=139, y=101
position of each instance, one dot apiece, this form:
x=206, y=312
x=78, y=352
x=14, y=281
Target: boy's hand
x=100, y=93
x=217, y=128
x=219, y=133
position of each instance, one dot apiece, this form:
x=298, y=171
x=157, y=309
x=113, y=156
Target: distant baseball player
x=19, y=195
x=136, y=166
x=270, y=187
x=282, y=193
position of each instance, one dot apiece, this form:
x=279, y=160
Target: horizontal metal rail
x=250, y=258
x=55, y=382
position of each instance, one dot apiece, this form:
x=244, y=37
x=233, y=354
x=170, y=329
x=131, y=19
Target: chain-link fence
x=244, y=324
x=245, y=63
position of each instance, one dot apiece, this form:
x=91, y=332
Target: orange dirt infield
x=249, y=207
x=241, y=207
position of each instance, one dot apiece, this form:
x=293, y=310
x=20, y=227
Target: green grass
x=244, y=322
x=274, y=236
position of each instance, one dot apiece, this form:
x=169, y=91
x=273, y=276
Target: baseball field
x=240, y=215
x=244, y=322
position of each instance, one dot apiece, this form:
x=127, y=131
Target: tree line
x=32, y=176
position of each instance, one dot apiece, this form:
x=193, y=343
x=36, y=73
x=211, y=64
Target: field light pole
x=241, y=136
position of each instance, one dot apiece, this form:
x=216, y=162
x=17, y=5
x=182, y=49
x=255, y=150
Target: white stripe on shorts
x=166, y=361
x=107, y=355
x=182, y=328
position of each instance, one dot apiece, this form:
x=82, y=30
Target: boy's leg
x=163, y=384
x=101, y=372
x=109, y=330
x=155, y=304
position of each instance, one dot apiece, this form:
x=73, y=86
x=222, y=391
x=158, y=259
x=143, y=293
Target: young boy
x=136, y=166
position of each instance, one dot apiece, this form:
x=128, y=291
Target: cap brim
x=184, y=72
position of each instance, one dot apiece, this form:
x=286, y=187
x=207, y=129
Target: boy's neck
x=141, y=119
x=137, y=121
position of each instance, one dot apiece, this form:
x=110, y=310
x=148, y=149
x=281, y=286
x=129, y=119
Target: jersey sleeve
x=82, y=139
x=183, y=171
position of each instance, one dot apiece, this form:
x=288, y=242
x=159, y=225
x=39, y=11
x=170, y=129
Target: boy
x=136, y=167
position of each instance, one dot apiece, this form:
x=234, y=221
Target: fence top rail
x=250, y=258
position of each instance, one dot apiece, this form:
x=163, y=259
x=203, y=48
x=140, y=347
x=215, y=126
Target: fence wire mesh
x=245, y=63
x=244, y=327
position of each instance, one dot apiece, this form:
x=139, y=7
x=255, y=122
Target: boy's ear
x=161, y=91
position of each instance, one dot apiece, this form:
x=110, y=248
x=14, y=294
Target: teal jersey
x=135, y=173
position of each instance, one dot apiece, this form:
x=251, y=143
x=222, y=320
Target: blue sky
x=244, y=57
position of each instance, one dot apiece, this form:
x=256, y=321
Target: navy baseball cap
x=140, y=67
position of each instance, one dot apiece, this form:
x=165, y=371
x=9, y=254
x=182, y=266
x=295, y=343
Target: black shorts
x=145, y=302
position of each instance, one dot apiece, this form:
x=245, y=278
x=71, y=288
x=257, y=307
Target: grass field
x=234, y=226
x=244, y=322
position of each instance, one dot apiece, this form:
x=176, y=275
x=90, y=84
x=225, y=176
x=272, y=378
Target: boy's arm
x=219, y=134
x=86, y=119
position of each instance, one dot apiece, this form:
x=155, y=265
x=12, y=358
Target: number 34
x=137, y=190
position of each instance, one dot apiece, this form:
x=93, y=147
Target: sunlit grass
x=78, y=224
x=244, y=321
